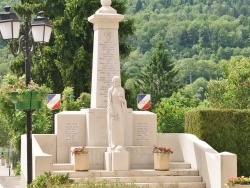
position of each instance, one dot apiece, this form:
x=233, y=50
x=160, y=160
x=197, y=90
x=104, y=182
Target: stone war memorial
x=120, y=141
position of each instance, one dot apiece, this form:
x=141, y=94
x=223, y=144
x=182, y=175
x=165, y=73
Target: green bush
x=47, y=180
x=224, y=130
x=17, y=170
x=170, y=117
x=92, y=183
x=70, y=103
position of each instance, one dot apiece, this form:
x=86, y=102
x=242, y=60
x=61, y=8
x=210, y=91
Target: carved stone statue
x=116, y=109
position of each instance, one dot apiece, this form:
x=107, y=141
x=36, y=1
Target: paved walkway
x=8, y=179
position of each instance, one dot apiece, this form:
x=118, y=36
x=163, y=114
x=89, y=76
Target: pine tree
x=138, y=6
x=158, y=77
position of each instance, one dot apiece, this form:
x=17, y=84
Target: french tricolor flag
x=144, y=101
x=54, y=101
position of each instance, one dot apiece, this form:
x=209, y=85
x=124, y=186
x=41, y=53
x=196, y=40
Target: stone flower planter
x=161, y=161
x=81, y=162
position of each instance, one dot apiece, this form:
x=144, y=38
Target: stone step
x=173, y=185
x=179, y=165
x=148, y=179
x=180, y=175
x=152, y=179
x=63, y=166
x=170, y=185
x=129, y=173
x=156, y=182
x=68, y=166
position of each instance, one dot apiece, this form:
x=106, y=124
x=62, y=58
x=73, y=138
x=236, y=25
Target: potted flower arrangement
x=24, y=97
x=81, y=158
x=162, y=158
x=239, y=182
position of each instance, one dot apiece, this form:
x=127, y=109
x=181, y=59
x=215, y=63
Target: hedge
x=224, y=130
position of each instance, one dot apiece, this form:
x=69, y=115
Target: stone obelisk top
x=106, y=8
x=106, y=58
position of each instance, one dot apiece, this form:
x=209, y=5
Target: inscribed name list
x=143, y=131
x=108, y=62
x=71, y=131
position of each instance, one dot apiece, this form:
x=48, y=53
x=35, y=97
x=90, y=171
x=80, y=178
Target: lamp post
x=38, y=31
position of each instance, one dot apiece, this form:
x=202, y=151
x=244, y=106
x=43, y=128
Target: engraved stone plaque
x=143, y=131
x=71, y=131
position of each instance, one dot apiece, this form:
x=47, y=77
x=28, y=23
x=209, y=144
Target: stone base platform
x=140, y=157
x=180, y=175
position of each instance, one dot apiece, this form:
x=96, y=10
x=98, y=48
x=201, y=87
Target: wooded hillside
x=192, y=31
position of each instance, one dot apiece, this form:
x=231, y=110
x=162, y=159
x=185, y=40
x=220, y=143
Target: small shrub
x=46, y=180
x=17, y=170
x=239, y=181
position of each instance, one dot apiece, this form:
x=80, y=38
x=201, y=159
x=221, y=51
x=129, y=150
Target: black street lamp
x=38, y=31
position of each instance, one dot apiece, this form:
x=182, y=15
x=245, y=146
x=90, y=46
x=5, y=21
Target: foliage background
x=189, y=54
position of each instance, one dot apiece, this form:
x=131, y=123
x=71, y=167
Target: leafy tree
x=4, y=3
x=5, y=132
x=199, y=88
x=170, y=117
x=5, y=59
x=171, y=111
x=70, y=103
x=158, y=77
x=191, y=69
x=66, y=62
x=131, y=92
x=138, y=6
x=189, y=96
x=233, y=90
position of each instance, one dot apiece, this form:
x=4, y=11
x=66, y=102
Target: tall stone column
x=106, y=58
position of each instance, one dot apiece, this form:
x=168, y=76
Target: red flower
x=81, y=150
x=162, y=150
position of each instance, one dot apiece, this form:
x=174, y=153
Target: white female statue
x=116, y=108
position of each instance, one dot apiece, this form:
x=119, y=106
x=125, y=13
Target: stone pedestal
x=141, y=157
x=108, y=161
x=70, y=128
x=96, y=127
x=120, y=161
x=115, y=161
x=144, y=128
